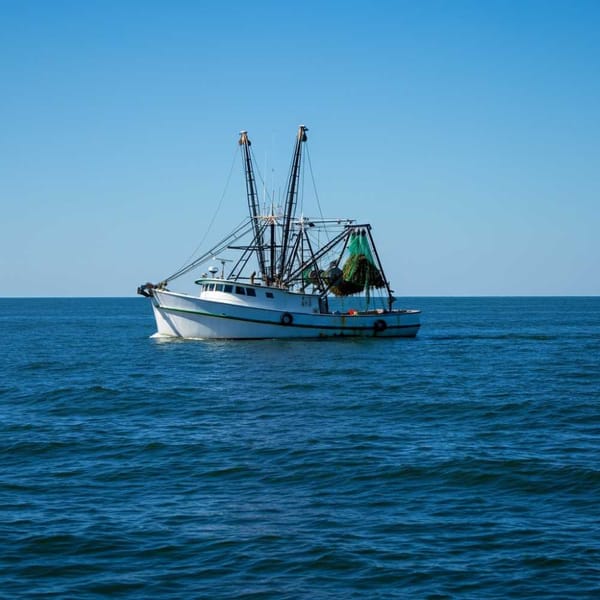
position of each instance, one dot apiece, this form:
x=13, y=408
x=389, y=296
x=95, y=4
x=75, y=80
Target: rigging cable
x=182, y=269
x=242, y=229
x=312, y=176
x=268, y=196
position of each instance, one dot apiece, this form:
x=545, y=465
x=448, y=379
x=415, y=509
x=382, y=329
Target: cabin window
x=239, y=290
x=228, y=289
x=269, y=294
x=250, y=292
x=211, y=287
x=219, y=287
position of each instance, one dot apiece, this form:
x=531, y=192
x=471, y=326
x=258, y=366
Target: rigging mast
x=253, y=206
x=292, y=196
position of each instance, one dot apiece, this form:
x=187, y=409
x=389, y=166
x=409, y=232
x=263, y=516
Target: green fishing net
x=359, y=272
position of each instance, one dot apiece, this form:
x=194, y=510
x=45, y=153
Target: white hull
x=185, y=316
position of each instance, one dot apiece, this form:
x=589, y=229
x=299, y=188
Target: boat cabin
x=257, y=296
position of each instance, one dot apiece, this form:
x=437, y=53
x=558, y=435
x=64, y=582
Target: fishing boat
x=287, y=276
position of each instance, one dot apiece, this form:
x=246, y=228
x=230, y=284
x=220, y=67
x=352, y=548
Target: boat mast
x=292, y=196
x=253, y=207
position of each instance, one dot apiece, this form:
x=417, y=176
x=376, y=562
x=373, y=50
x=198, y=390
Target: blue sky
x=467, y=133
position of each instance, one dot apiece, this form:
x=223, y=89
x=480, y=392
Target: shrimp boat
x=287, y=277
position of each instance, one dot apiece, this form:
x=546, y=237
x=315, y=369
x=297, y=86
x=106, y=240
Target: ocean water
x=462, y=464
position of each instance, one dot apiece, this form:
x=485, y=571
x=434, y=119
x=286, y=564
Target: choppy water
x=462, y=464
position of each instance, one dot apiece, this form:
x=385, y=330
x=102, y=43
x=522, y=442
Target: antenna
x=222, y=261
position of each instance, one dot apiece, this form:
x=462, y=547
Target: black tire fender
x=380, y=325
x=287, y=319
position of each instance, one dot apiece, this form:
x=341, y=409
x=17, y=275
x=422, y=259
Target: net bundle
x=359, y=272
